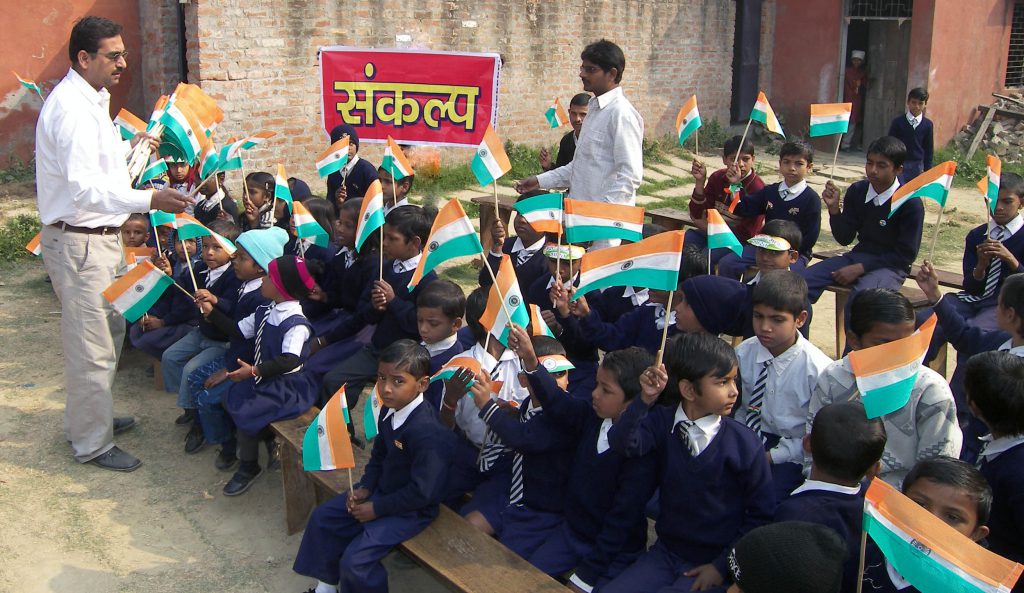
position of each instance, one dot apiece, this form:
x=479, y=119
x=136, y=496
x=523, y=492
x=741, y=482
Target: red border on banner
x=415, y=96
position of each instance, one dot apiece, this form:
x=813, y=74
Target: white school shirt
x=994, y=447
x=702, y=431
x=439, y=347
x=1009, y=229
x=398, y=417
x=792, y=192
x=407, y=264
x=608, y=163
x=214, y=274
x=81, y=170
x=914, y=120
x=506, y=369
x=398, y=204
x=881, y=198
x=791, y=380
x=1008, y=346
x=817, y=485
x=293, y=340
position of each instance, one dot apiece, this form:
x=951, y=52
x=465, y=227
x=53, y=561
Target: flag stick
x=696, y=142
x=504, y=307
x=182, y=289
x=863, y=551
x=742, y=138
x=935, y=235
x=380, y=275
x=709, y=260
x=351, y=487
x=839, y=142
x=558, y=260
x=156, y=231
x=273, y=212
x=188, y=260
x=988, y=216
x=494, y=186
x=664, y=330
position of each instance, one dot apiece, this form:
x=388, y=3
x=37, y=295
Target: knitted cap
x=718, y=303
x=264, y=245
x=300, y=189
x=290, y=277
x=339, y=132
x=788, y=557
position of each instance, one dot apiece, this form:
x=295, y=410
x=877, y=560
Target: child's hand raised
x=520, y=343
x=652, y=383
x=457, y=387
x=580, y=307
x=545, y=159
x=830, y=195
x=928, y=282
x=205, y=296
x=251, y=213
x=699, y=172
x=549, y=318
x=732, y=173
x=498, y=235
x=481, y=391
x=559, y=296
x=162, y=264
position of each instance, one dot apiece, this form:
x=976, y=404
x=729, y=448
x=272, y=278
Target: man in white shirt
x=84, y=195
x=608, y=163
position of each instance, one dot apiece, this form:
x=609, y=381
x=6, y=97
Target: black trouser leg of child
x=249, y=457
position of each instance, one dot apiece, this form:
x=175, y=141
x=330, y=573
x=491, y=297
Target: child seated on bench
x=400, y=491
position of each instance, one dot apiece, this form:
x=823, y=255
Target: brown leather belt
x=100, y=230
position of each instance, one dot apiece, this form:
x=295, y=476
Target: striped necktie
x=992, y=274
x=492, y=447
x=259, y=341
x=516, y=491
x=753, y=419
x=683, y=435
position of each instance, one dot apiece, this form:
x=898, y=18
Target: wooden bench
x=458, y=554
x=670, y=218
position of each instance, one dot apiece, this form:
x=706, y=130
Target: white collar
x=707, y=424
x=1011, y=227
x=348, y=166
x=780, y=362
x=881, y=198
x=606, y=98
x=402, y=202
x=100, y=97
x=401, y=415
x=551, y=281
x=794, y=191
x=488, y=362
x=817, y=485
x=208, y=202
x=993, y=447
x=897, y=579
x=637, y=297
x=519, y=246
x=914, y=118
x=408, y=264
x=753, y=281
x=1008, y=346
x=281, y=311
x=602, y=436
x=439, y=347
x=251, y=285
x=214, y=274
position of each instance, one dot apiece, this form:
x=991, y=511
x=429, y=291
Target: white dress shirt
x=791, y=380
x=1009, y=229
x=407, y=265
x=214, y=274
x=701, y=431
x=81, y=169
x=293, y=340
x=398, y=417
x=792, y=192
x=608, y=164
x=811, y=485
x=881, y=198
x=914, y=120
x=439, y=347
x=602, y=436
x=637, y=297
x=1008, y=346
x=398, y=204
x=993, y=447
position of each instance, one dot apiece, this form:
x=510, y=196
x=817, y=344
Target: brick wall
x=161, y=67
x=258, y=58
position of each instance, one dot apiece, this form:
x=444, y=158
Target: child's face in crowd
x=393, y=192
x=214, y=256
x=565, y=269
x=776, y=330
x=709, y=395
x=746, y=162
x=177, y=172
x=881, y=333
x=164, y=233
x=1007, y=207
x=686, y=320
x=397, y=388
x=880, y=171
x=577, y=113
x=1007, y=317
x=524, y=231
x=280, y=208
x=258, y=194
x=134, y=233
x=269, y=291
x=856, y=62
x=434, y=325
x=190, y=244
x=793, y=168
x=345, y=228
x=397, y=246
x=769, y=259
x=608, y=399
x=916, y=106
x=245, y=266
x=953, y=505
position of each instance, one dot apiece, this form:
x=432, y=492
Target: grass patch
x=14, y=234
x=465, y=275
x=648, y=188
x=18, y=171
x=968, y=172
x=449, y=179
x=676, y=203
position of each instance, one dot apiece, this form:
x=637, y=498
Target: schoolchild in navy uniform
x=604, y=529
x=525, y=250
x=995, y=391
x=715, y=483
x=845, y=449
x=395, y=194
x=887, y=242
x=969, y=340
x=950, y=489
x=174, y=314
x=258, y=202
x=219, y=286
x=394, y=306
x=356, y=176
x=779, y=369
x=915, y=131
x=790, y=199
x=322, y=212
x=440, y=309
x=209, y=383
x=775, y=251
x=714, y=305
x=274, y=387
x=400, y=491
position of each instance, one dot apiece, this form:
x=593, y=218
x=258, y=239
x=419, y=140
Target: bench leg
x=299, y=491
x=841, y=299
x=158, y=375
x=939, y=363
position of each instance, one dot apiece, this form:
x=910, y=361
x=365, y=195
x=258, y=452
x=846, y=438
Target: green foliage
x=465, y=275
x=15, y=234
x=525, y=162
x=449, y=179
x=712, y=136
x=968, y=172
x=18, y=171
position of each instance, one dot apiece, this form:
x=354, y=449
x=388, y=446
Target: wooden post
x=696, y=142
x=980, y=134
x=664, y=331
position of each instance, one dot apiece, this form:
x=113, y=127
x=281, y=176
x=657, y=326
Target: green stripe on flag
x=934, y=191
x=390, y=164
x=888, y=399
x=311, y=447
x=584, y=233
x=148, y=299
x=159, y=217
x=552, y=117
x=179, y=138
x=460, y=246
x=332, y=167
x=720, y=240
x=541, y=202
x=832, y=127
x=483, y=175
x=759, y=116
x=689, y=129
x=643, y=277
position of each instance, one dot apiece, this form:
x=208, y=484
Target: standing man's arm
x=627, y=134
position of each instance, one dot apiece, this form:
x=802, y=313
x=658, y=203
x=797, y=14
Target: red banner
x=417, y=97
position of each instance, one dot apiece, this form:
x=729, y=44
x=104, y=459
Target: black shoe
x=195, y=439
x=187, y=417
x=226, y=460
x=273, y=454
x=240, y=482
x=117, y=460
x=124, y=423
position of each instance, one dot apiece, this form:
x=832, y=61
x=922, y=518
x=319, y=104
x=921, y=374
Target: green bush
x=18, y=171
x=15, y=234
x=968, y=172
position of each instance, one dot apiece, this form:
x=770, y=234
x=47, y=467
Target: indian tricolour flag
x=306, y=227
x=161, y=218
x=254, y=140
x=556, y=115
x=886, y=374
x=394, y=161
x=34, y=246
x=490, y=161
x=154, y=169
x=281, y=189
x=188, y=227
x=763, y=113
x=182, y=130
x=830, y=118
x=29, y=84
x=688, y=119
x=933, y=184
x=134, y=293
x=209, y=161
x=651, y=263
x=720, y=235
x=989, y=185
x=371, y=414
x=537, y=325
x=371, y=213
x=461, y=361
x=158, y=111
x=504, y=299
x=543, y=212
x=451, y=236
x=128, y=124
x=326, y=444
x=933, y=556
x=229, y=161
x=333, y=159
x=555, y=363
x=593, y=221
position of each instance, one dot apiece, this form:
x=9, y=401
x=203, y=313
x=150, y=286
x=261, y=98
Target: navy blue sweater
x=1005, y=474
x=919, y=140
x=804, y=210
x=578, y=347
x=226, y=290
x=843, y=513
x=882, y=242
x=363, y=173
x=1015, y=245
x=636, y=328
x=611, y=303
x=710, y=501
x=398, y=321
x=243, y=348
x=876, y=577
x=533, y=268
x=546, y=447
x=966, y=339
x=607, y=491
x=175, y=307
x=408, y=467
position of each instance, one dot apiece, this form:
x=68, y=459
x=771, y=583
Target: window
x=881, y=9
x=1015, y=56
